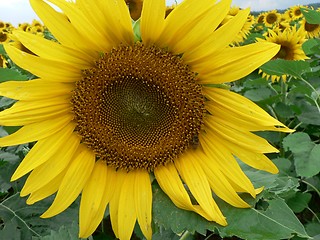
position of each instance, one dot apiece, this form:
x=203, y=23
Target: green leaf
x=313, y=228
x=306, y=154
x=64, y=232
x=25, y=219
x=258, y=94
x=165, y=234
x=8, y=163
x=136, y=30
x=276, y=222
x=281, y=67
x=311, y=46
x=7, y=74
x=299, y=202
x=311, y=16
x=284, y=165
x=2, y=51
x=310, y=115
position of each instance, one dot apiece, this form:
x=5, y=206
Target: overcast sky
x=19, y=11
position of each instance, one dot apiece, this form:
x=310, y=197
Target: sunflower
x=296, y=12
x=4, y=37
x=290, y=40
x=288, y=14
x=259, y=18
x=2, y=24
x=107, y=112
x=271, y=18
x=311, y=30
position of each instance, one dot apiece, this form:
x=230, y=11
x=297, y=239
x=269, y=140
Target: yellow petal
x=143, y=201
x=181, y=20
x=233, y=119
x=44, y=68
x=218, y=182
x=111, y=19
x=114, y=202
x=87, y=31
x=26, y=112
x=73, y=182
x=170, y=182
x=244, y=139
x=94, y=199
x=54, y=51
x=196, y=180
x=216, y=41
x=47, y=190
x=255, y=160
x=43, y=150
x=59, y=25
x=232, y=63
x=243, y=107
x=108, y=193
x=36, y=131
x=204, y=27
x=34, y=89
x=152, y=20
x=223, y=160
x=44, y=173
x=127, y=214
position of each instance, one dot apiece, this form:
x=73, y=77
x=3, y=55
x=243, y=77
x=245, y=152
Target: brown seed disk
x=139, y=107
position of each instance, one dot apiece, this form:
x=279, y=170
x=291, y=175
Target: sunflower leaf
x=2, y=51
x=311, y=16
x=305, y=152
x=64, y=232
x=25, y=221
x=299, y=201
x=281, y=67
x=311, y=46
x=11, y=74
x=277, y=221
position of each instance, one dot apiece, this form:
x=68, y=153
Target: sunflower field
x=136, y=120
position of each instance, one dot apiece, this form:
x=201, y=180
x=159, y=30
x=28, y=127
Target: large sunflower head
x=109, y=110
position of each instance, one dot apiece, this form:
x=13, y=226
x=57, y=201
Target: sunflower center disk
x=139, y=107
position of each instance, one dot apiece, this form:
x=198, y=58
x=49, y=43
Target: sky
x=19, y=11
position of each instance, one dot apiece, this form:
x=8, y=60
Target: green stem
x=272, y=88
x=310, y=185
x=284, y=88
x=315, y=91
x=314, y=214
x=185, y=235
x=102, y=226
